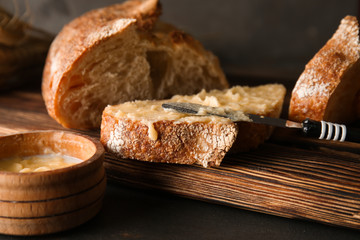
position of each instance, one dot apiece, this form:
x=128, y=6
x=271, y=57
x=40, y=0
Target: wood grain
x=289, y=175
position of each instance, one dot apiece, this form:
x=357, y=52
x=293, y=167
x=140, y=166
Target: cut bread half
x=122, y=53
x=142, y=130
x=329, y=87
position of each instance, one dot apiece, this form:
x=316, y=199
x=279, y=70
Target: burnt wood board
x=289, y=176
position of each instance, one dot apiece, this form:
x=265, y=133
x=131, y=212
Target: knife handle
x=330, y=131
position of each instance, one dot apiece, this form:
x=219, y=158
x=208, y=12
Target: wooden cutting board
x=288, y=176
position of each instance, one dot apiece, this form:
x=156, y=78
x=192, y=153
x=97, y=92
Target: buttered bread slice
x=143, y=130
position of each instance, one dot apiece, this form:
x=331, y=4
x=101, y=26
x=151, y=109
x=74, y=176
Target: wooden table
x=288, y=176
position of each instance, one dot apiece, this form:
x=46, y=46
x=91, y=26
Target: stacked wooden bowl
x=51, y=201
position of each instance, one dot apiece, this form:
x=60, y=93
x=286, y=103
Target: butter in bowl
x=50, y=181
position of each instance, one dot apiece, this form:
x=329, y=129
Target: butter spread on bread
x=329, y=87
x=143, y=130
x=122, y=53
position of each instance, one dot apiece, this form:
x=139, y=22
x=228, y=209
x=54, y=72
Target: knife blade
x=322, y=130
x=235, y=116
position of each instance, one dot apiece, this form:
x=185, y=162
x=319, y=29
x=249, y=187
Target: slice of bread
x=122, y=53
x=143, y=130
x=329, y=87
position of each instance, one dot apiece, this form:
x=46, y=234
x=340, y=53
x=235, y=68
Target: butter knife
x=322, y=130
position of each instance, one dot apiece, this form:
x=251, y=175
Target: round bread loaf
x=122, y=53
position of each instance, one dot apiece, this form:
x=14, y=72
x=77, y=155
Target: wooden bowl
x=51, y=201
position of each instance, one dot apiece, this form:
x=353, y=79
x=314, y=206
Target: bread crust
x=179, y=142
x=183, y=143
x=73, y=42
x=328, y=89
x=123, y=33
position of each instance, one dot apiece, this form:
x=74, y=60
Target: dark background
x=251, y=37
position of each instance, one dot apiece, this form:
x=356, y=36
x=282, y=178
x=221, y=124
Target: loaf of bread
x=142, y=130
x=329, y=87
x=122, y=53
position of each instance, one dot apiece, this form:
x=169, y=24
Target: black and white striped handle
x=330, y=131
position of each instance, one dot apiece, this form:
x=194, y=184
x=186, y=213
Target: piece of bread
x=143, y=130
x=329, y=87
x=122, y=53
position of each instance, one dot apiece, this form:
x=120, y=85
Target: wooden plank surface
x=288, y=176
